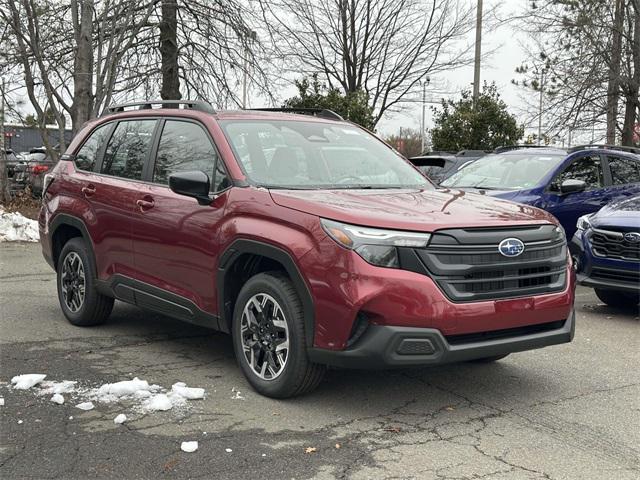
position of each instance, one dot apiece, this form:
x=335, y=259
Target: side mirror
x=572, y=186
x=193, y=184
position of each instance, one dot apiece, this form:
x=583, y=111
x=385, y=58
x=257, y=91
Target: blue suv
x=606, y=252
x=568, y=184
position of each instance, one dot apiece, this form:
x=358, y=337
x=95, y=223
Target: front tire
x=615, y=298
x=269, y=338
x=81, y=303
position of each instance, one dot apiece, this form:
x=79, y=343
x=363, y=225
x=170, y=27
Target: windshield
x=317, y=155
x=505, y=172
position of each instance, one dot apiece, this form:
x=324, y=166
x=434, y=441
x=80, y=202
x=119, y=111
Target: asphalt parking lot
x=569, y=411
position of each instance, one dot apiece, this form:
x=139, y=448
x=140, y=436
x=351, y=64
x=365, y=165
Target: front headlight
x=377, y=246
x=583, y=222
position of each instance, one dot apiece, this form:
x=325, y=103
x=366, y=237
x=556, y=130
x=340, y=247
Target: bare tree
x=71, y=72
x=588, y=52
x=382, y=47
x=169, y=50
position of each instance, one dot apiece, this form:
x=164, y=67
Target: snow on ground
x=85, y=406
x=1, y=402
x=15, y=227
x=26, y=381
x=181, y=389
x=57, y=398
x=136, y=395
x=189, y=446
x=121, y=418
x=51, y=388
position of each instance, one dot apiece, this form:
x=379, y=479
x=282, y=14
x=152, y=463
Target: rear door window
x=588, y=169
x=128, y=149
x=624, y=170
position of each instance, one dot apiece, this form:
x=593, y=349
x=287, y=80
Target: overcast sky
x=499, y=68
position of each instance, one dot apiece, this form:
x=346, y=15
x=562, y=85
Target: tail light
x=38, y=169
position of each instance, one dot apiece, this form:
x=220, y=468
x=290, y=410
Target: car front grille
x=618, y=275
x=467, y=266
x=611, y=244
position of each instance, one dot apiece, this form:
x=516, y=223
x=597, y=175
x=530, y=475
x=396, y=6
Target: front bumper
x=385, y=346
x=600, y=272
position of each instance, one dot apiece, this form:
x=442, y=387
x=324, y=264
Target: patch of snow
x=57, y=398
x=228, y=450
x=189, y=446
x=122, y=389
x=71, y=417
x=19, y=422
x=142, y=394
x=237, y=394
x=51, y=388
x=189, y=393
x=26, y=381
x=120, y=419
x=159, y=402
x=85, y=406
x=14, y=227
x=1, y=402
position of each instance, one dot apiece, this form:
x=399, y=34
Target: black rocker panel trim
x=157, y=299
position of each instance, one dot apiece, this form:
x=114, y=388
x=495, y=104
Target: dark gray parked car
x=438, y=166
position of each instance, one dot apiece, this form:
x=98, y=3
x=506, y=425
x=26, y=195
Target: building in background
x=22, y=139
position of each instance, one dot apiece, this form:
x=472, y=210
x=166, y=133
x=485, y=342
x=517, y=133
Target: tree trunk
x=169, y=51
x=632, y=104
x=83, y=68
x=613, y=90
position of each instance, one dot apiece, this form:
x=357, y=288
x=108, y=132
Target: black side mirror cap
x=572, y=186
x=194, y=184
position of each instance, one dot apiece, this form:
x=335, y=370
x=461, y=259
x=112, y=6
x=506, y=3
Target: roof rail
x=578, y=148
x=148, y=105
x=472, y=153
x=316, y=112
x=508, y=148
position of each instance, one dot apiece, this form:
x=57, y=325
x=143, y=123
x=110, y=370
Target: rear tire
x=492, y=359
x=269, y=338
x=616, y=298
x=81, y=303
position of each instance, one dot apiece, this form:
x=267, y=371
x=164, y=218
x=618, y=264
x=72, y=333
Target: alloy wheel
x=72, y=281
x=264, y=336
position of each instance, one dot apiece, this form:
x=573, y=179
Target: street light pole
x=476, y=69
x=540, y=105
x=422, y=125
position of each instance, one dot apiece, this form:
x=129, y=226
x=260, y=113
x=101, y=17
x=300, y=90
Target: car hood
x=410, y=209
x=620, y=213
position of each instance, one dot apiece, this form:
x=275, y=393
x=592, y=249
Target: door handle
x=89, y=190
x=145, y=204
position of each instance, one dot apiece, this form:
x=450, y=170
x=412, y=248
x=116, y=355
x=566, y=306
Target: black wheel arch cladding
x=260, y=249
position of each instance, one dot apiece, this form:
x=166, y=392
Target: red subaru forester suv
x=305, y=237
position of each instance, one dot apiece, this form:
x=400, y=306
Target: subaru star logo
x=511, y=247
x=632, y=237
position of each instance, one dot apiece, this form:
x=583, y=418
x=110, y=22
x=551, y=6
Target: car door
x=112, y=193
x=567, y=208
x=175, y=238
x=624, y=172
